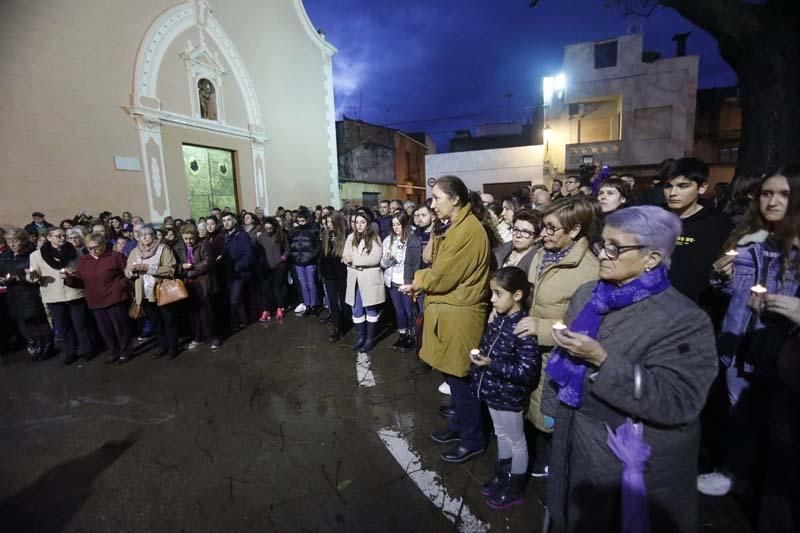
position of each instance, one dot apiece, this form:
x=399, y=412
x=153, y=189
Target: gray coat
x=502, y=252
x=672, y=341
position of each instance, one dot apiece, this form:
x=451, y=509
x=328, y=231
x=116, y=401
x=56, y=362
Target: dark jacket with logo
x=304, y=245
x=698, y=246
x=515, y=369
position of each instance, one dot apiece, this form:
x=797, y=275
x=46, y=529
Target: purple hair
x=653, y=227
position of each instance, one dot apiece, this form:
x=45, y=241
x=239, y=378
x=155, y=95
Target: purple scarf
x=569, y=372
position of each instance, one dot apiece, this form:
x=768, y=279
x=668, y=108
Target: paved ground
x=278, y=431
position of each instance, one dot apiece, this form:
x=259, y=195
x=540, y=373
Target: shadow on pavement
x=48, y=504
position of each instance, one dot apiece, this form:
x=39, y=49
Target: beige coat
x=552, y=293
x=165, y=270
x=365, y=271
x=456, y=294
x=51, y=286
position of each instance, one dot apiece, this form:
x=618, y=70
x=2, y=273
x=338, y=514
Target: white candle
x=758, y=289
x=731, y=253
x=63, y=270
x=474, y=353
x=559, y=326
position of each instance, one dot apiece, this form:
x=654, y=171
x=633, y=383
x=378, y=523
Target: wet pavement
x=277, y=431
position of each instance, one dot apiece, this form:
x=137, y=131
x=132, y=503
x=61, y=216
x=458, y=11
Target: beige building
x=613, y=103
x=163, y=108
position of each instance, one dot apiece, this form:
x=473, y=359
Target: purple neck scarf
x=569, y=372
x=189, y=255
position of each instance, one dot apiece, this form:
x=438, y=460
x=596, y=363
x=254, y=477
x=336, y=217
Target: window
x=605, y=55
x=370, y=199
x=729, y=154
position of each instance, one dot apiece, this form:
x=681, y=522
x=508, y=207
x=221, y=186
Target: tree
x=760, y=40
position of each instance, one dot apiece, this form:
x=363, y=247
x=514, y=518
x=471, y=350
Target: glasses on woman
x=519, y=232
x=550, y=230
x=613, y=251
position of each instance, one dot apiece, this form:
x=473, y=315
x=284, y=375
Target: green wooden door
x=210, y=180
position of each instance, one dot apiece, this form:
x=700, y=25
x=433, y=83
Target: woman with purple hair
x=630, y=375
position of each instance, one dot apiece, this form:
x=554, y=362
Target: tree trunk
x=768, y=66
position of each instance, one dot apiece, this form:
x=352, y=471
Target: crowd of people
x=591, y=323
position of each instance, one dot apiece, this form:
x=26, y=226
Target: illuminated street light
x=560, y=85
x=548, y=83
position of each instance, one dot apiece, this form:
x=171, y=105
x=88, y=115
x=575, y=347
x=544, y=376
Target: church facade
x=163, y=108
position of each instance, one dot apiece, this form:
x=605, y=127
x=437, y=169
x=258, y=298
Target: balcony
x=606, y=151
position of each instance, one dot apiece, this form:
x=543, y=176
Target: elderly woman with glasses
x=24, y=302
x=628, y=380
x=564, y=263
x=75, y=236
x=148, y=265
x=67, y=305
x=101, y=274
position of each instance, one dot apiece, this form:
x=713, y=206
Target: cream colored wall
x=66, y=72
x=287, y=69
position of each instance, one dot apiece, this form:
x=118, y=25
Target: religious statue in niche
x=208, y=99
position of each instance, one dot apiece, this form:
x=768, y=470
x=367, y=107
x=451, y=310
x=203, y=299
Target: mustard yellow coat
x=456, y=294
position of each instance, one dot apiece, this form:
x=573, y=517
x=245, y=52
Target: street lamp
x=560, y=84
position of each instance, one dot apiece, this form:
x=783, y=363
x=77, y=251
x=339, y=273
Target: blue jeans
x=307, y=277
x=467, y=419
x=403, y=307
x=359, y=310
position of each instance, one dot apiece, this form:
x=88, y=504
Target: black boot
x=47, y=347
x=401, y=339
x=335, y=335
x=361, y=332
x=511, y=493
x=501, y=469
x=369, y=342
x=34, y=349
x=409, y=343
x=324, y=316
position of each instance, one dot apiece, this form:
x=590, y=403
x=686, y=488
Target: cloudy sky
x=442, y=65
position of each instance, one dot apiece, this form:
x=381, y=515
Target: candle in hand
x=731, y=253
x=559, y=326
x=758, y=289
x=474, y=353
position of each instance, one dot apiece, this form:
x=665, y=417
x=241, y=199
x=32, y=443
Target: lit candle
x=474, y=353
x=559, y=326
x=63, y=270
x=758, y=289
x=731, y=253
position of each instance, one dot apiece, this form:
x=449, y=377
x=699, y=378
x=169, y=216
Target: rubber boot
x=511, y=493
x=361, y=332
x=369, y=342
x=501, y=470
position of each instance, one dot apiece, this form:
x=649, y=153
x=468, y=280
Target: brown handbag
x=170, y=291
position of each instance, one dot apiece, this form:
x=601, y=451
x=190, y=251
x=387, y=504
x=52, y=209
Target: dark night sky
x=442, y=65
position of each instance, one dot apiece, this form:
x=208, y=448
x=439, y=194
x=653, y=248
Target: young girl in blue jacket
x=504, y=371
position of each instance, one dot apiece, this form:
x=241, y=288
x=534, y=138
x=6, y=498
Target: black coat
x=304, y=245
x=198, y=278
x=23, y=298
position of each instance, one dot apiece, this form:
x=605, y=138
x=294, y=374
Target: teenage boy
x=704, y=230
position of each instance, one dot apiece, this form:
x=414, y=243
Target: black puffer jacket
x=516, y=366
x=304, y=245
x=23, y=298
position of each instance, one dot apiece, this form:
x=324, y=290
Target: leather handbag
x=135, y=311
x=170, y=291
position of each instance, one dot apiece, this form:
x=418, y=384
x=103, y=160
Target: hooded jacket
x=304, y=245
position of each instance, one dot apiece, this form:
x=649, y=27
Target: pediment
x=200, y=57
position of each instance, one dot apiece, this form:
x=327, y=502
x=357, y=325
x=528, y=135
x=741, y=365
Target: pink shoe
x=279, y=314
x=264, y=316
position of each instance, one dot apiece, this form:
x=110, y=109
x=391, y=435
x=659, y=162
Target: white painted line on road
x=430, y=483
x=363, y=371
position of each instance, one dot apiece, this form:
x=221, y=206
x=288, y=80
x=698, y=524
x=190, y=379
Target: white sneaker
x=544, y=473
x=300, y=309
x=714, y=484
x=193, y=345
x=444, y=388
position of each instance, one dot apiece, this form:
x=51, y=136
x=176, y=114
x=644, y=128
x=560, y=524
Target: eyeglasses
x=96, y=247
x=550, y=230
x=612, y=250
x=58, y=235
x=518, y=232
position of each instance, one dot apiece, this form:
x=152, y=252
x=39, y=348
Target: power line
x=457, y=117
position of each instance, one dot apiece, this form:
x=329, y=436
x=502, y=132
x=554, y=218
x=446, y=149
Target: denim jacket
x=755, y=264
